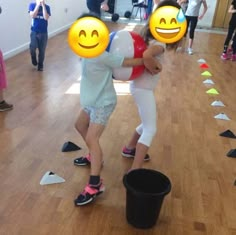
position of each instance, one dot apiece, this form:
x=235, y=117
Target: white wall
x=207, y=21
x=15, y=22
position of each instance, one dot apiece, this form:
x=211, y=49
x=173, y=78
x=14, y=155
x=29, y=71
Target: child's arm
x=45, y=13
x=156, y=1
x=181, y=1
x=34, y=13
x=150, y=62
x=104, y=5
x=231, y=9
x=131, y=62
x=204, y=10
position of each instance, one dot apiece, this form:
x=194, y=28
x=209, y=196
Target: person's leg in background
x=33, y=47
x=42, y=39
x=193, y=25
x=181, y=46
x=94, y=6
x=224, y=55
x=233, y=57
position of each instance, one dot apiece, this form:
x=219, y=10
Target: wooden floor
x=187, y=148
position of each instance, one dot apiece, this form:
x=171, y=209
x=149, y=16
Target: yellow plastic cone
x=212, y=91
x=206, y=73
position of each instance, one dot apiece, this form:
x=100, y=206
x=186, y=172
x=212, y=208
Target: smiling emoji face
x=168, y=24
x=88, y=37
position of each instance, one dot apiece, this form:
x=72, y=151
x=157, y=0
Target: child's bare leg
x=92, y=140
x=82, y=123
x=141, y=151
x=134, y=140
x=190, y=43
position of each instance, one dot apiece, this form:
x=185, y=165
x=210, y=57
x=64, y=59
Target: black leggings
x=229, y=37
x=192, y=21
x=94, y=6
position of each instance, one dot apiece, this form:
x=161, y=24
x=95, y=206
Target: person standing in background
x=192, y=16
x=4, y=106
x=40, y=13
x=95, y=6
x=184, y=6
x=231, y=34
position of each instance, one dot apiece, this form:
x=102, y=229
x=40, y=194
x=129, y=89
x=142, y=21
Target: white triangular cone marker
x=222, y=116
x=217, y=103
x=51, y=178
x=201, y=61
x=208, y=81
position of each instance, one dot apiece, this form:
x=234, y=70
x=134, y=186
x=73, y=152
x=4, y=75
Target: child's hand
x=152, y=65
x=158, y=68
x=200, y=17
x=40, y=2
x=149, y=59
x=104, y=6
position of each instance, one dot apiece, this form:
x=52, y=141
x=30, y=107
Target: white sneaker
x=190, y=51
x=180, y=49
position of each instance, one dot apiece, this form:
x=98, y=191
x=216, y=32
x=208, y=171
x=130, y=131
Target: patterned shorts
x=100, y=115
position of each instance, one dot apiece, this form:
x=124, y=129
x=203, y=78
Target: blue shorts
x=100, y=115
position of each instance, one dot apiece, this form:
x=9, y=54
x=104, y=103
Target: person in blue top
x=40, y=13
x=98, y=101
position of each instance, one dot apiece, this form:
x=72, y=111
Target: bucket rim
x=143, y=194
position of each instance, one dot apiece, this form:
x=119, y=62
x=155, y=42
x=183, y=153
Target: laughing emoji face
x=88, y=37
x=168, y=24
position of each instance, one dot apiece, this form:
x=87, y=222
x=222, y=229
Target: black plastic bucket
x=145, y=192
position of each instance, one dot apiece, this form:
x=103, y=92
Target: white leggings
x=145, y=100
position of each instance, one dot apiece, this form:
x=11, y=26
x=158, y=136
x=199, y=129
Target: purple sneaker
x=130, y=153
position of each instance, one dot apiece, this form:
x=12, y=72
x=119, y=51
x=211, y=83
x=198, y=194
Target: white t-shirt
x=194, y=7
x=147, y=80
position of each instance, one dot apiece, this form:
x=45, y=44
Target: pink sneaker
x=233, y=57
x=230, y=51
x=89, y=193
x=224, y=56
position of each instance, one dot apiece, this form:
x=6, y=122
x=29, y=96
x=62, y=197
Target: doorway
x=222, y=17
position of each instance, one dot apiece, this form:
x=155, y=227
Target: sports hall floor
x=187, y=147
